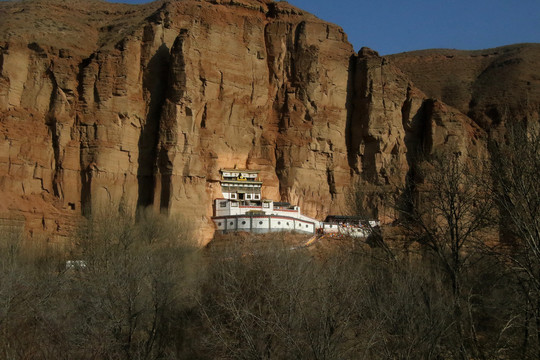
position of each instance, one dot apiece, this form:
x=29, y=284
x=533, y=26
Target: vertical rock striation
x=145, y=110
x=394, y=126
x=491, y=86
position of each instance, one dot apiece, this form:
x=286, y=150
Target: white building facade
x=242, y=207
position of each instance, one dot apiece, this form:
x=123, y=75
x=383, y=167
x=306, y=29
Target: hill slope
x=491, y=86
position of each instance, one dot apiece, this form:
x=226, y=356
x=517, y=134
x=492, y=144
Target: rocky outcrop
x=491, y=86
x=394, y=126
x=147, y=107
x=148, y=120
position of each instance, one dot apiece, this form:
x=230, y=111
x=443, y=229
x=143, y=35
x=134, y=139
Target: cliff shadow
x=155, y=81
x=87, y=133
x=418, y=141
x=350, y=110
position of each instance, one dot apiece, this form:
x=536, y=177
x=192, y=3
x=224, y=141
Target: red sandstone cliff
x=108, y=104
x=491, y=86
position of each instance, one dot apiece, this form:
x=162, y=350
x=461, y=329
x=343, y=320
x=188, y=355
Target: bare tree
x=373, y=204
x=516, y=174
x=28, y=287
x=136, y=278
x=447, y=215
x=249, y=300
x=272, y=303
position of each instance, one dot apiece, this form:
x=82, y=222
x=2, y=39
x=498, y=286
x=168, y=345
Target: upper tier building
x=242, y=186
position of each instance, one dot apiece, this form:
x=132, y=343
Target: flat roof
x=240, y=182
x=331, y=218
x=241, y=171
x=282, y=203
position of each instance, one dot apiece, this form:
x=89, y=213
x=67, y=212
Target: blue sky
x=391, y=26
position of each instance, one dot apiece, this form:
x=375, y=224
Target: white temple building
x=242, y=207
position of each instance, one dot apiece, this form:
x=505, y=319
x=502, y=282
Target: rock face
x=491, y=86
x=114, y=105
x=394, y=126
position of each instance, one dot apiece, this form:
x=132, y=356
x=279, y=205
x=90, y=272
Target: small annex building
x=354, y=226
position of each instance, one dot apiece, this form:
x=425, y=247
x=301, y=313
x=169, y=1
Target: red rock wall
x=148, y=109
x=492, y=86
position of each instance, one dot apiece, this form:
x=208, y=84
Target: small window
x=260, y=222
x=223, y=204
x=234, y=204
x=231, y=223
x=219, y=224
x=243, y=223
x=266, y=205
x=287, y=224
x=306, y=226
x=279, y=222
